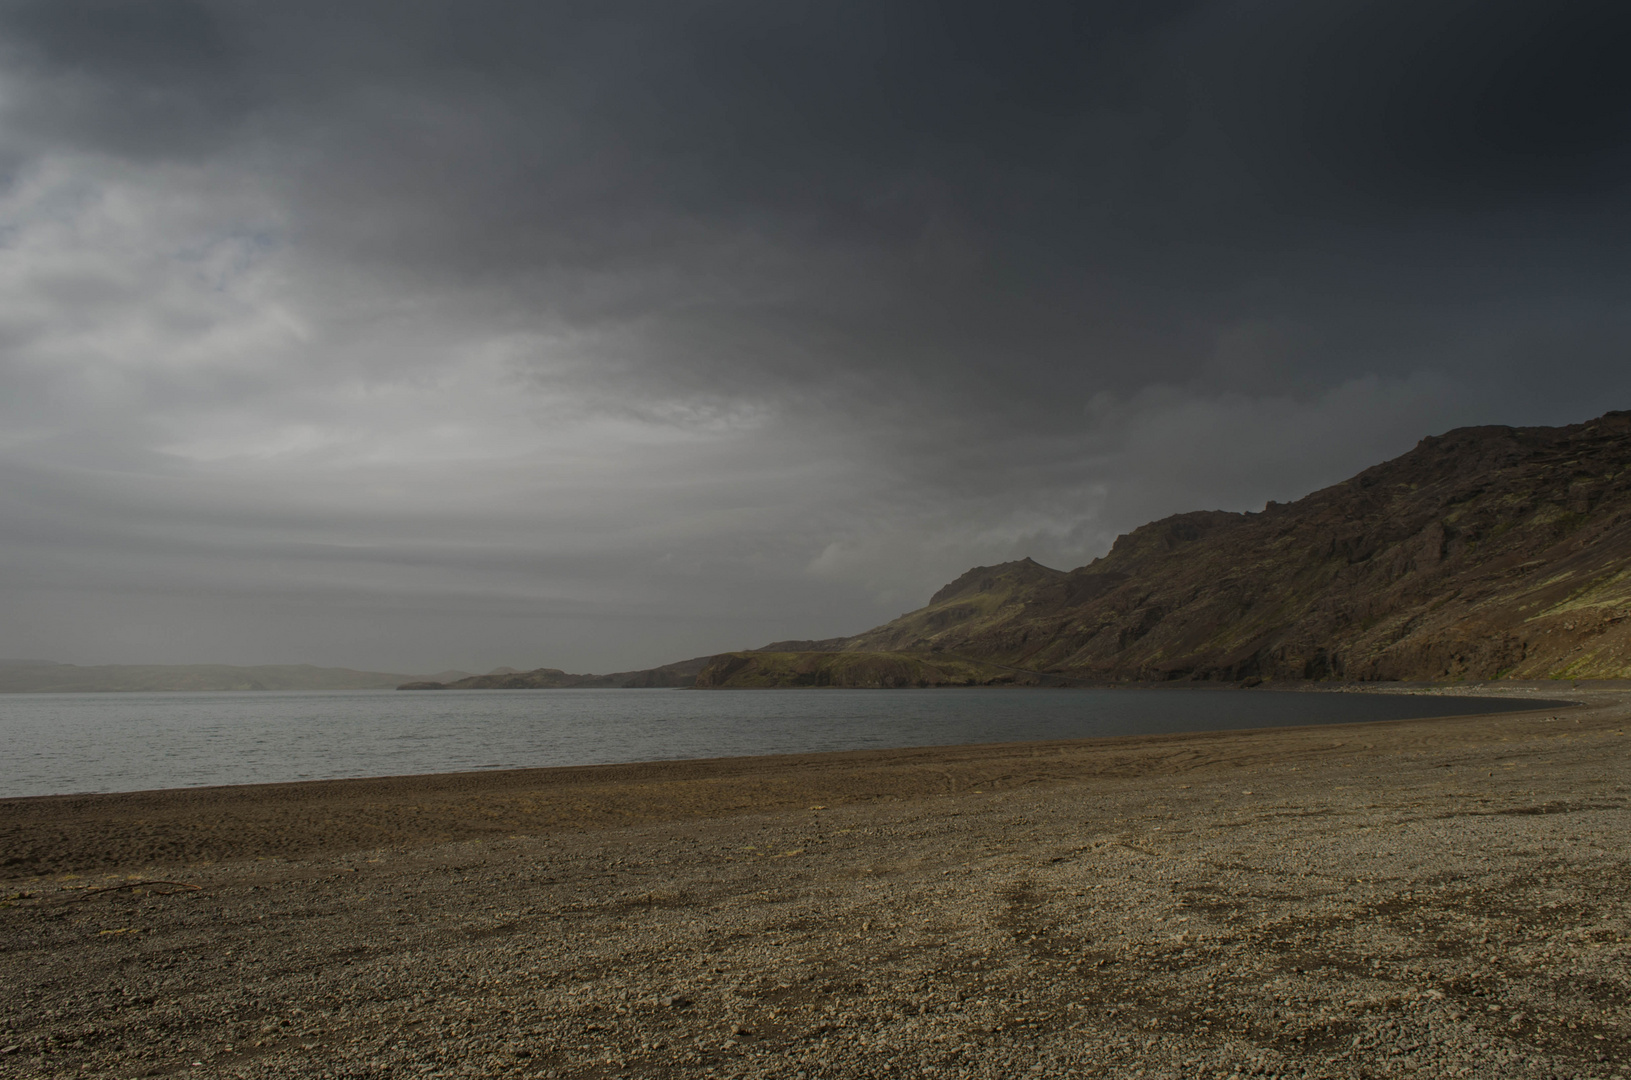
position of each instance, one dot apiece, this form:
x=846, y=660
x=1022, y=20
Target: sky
x=595, y=335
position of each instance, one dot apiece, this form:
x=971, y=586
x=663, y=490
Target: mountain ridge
x=1483, y=553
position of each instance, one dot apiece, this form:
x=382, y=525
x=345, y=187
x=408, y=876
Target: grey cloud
x=778, y=315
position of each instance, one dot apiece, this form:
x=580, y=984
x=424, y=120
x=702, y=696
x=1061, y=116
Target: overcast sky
x=595, y=335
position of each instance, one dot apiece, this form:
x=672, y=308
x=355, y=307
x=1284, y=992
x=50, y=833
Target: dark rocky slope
x=1485, y=553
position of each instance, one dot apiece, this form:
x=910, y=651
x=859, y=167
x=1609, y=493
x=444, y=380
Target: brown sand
x=1439, y=898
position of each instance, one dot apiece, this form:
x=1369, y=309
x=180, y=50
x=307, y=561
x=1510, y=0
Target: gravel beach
x=1447, y=897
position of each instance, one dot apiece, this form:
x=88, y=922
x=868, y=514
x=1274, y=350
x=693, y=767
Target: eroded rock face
x=1484, y=553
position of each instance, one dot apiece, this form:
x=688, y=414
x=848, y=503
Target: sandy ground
x=1436, y=898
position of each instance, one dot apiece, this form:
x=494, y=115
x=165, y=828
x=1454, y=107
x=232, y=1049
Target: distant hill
x=1484, y=553
x=26, y=677
x=682, y=673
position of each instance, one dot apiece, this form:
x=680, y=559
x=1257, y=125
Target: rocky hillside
x=1485, y=553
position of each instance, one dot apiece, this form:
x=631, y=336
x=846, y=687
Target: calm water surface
x=59, y=743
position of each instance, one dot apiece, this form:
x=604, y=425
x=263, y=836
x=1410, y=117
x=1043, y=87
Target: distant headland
x=48, y=677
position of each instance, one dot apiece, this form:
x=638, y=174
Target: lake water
x=61, y=743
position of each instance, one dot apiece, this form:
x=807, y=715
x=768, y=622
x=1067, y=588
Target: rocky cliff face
x=1485, y=553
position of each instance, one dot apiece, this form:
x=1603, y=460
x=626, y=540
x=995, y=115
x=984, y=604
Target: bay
x=75, y=743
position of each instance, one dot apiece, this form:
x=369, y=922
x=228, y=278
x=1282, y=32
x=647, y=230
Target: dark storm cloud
x=1459, y=106
x=881, y=288
x=1015, y=182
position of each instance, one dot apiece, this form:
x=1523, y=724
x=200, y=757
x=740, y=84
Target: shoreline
x=1445, y=897
x=1470, y=689
x=1519, y=695
x=88, y=832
